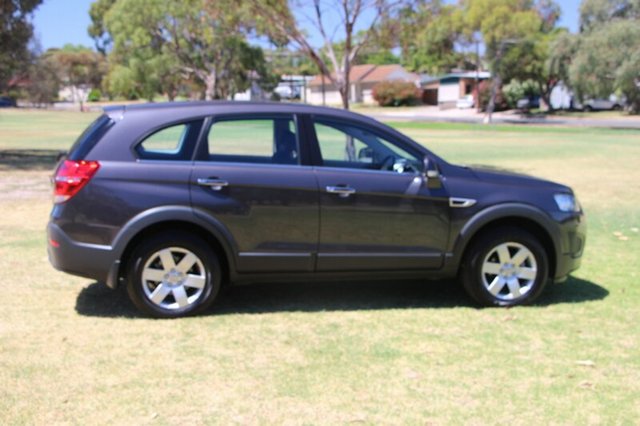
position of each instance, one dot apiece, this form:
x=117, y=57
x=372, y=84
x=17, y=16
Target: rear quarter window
x=173, y=142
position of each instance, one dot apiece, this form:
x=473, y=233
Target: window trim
x=202, y=148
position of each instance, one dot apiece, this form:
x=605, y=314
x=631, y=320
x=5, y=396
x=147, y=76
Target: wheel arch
x=175, y=218
x=525, y=217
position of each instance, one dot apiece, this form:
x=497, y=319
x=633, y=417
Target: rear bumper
x=92, y=261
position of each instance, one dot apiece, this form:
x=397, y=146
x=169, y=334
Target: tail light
x=70, y=177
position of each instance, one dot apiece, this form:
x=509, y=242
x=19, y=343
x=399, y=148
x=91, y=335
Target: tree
x=594, y=13
x=335, y=21
x=428, y=33
x=607, y=61
x=502, y=24
x=97, y=29
x=77, y=67
x=202, y=39
x=15, y=33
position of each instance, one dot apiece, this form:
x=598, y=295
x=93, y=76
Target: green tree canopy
x=15, y=33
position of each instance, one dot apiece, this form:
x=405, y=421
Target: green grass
x=393, y=352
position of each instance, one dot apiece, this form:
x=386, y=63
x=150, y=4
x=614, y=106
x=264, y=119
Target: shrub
x=396, y=93
x=485, y=94
x=516, y=90
x=94, y=95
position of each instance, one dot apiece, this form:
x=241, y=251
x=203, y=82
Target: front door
x=250, y=180
x=375, y=210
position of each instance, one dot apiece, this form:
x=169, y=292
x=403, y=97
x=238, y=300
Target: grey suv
x=175, y=200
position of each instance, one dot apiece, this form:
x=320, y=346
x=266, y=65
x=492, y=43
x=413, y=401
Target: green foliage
x=167, y=44
x=97, y=30
x=44, y=83
x=94, y=95
x=607, y=61
x=517, y=90
x=395, y=93
x=428, y=35
x=15, y=33
x=595, y=13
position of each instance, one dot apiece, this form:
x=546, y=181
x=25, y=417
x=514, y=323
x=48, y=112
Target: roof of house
x=482, y=75
x=369, y=73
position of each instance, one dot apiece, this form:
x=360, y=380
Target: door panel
x=391, y=221
x=376, y=213
x=253, y=184
x=271, y=211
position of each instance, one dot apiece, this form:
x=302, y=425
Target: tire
x=173, y=274
x=588, y=109
x=505, y=267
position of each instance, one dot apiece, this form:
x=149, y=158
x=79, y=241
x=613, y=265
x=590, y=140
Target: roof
x=179, y=110
x=369, y=73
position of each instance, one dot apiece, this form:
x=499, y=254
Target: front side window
x=256, y=140
x=343, y=145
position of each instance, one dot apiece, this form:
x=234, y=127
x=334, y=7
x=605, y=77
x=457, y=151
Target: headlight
x=567, y=202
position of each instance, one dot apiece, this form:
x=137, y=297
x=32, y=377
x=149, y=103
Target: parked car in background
x=287, y=92
x=531, y=102
x=175, y=200
x=7, y=102
x=465, y=102
x=613, y=103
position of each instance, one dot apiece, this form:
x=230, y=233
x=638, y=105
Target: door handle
x=342, y=190
x=215, y=184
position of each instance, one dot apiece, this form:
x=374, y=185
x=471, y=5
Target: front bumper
x=573, y=237
x=93, y=261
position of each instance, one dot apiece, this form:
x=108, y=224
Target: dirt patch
x=24, y=184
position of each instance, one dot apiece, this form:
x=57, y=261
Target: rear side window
x=254, y=140
x=166, y=141
x=89, y=138
x=175, y=142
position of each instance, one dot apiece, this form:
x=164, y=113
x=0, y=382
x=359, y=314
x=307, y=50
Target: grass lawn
x=72, y=351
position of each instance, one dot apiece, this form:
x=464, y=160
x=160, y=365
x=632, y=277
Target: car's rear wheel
x=173, y=274
x=505, y=267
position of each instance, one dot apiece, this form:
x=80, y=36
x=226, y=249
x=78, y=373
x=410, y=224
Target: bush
x=396, y=93
x=94, y=95
x=516, y=90
x=485, y=94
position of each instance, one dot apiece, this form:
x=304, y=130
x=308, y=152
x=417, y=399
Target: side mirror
x=430, y=173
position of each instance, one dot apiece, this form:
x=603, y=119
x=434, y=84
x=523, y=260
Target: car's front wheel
x=505, y=267
x=173, y=274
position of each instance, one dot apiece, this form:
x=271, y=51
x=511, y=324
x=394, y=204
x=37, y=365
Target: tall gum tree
x=350, y=22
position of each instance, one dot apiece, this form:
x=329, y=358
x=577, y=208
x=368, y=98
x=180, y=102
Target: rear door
x=250, y=177
x=376, y=213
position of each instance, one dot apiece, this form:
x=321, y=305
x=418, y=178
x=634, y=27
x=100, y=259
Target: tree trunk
x=344, y=94
x=491, y=106
x=210, y=82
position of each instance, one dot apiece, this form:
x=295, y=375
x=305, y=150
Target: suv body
x=268, y=191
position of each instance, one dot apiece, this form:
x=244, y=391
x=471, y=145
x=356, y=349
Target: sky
x=59, y=22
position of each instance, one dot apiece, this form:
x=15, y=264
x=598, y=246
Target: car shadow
x=29, y=159
x=99, y=301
